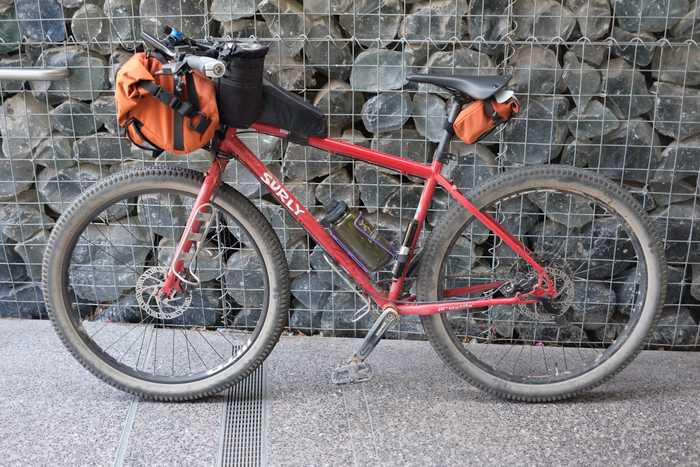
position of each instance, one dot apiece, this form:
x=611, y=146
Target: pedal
x=352, y=372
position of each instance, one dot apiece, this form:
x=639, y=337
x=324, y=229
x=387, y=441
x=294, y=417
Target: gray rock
x=474, y=165
x=339, y=186
x=429, y=115
x=16, y=176
x=206, y=308
x=676, y=191
x=24, y=122
x=86, y=85
x=543, y=332
x=678, y=285
x=461, y=61
x=123, y=16
x=539, y=133
x=678, y=65
x=637, y=49
x=675, y=328
x=517, y=215
x=59, y=188
x=582, y=79
x=286, y=19
x=209, y=262
x=626, y=89
x=440, y=20
x=70, y=3
x=244, y=278
x=164, y=215
x=488, y=23
x=535, y=70
x=244, y=181
x=332, y=56
x=589, y=53
x=246, y=319
x=378, y=70
x=695, y=287
x=22, y=302
x=402, y=203
x=297, y=252
x=675, y=104
x=108, y=259
x=12, y=269
x=680, y=159
x=544, y=20
x=461, y=258
x=9, y=31
x=116, y=60
x=102, y=148
x=629, y=153
x=627, y=291
x=372, y=23
x=228, y=10
x=338, y=315
x=305, y=321
x=90, y=26
x=284, y=68
x=306, y=163
x=55, y=152
x=312, y=291
x=546, y=237
x=601, y=250
x=245, y=28
x=593, y=305
x=104, y=110
x=375, y=185
x=679, y=226
x=387, y=111
x=569, y=210
x=23, y=217
x=592, y=16
x=687, y=27
x=408, y=327
x=302, y=191
x=407, y=143
x=284, y=225
x=73, y=118
x=592, y=122
x=32, y=252
x=46, y=24
x=188, y=16
x=636, y=15
x=124, y=310
x=340, y=103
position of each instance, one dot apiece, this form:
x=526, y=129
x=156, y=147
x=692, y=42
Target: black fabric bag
x=240, y=91
x=290, y=112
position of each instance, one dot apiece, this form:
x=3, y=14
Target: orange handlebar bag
x=156, y=114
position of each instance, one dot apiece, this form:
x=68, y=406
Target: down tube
x=231, y=144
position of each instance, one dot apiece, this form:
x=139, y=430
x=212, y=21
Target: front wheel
x=107, y=257
x=596, y=244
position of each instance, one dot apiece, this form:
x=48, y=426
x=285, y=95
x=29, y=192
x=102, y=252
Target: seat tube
x=448, y=132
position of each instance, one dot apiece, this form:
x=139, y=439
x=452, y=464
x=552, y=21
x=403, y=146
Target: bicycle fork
x=194, y=233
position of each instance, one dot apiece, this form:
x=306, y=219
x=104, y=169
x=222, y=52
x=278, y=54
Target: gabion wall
x=613, y=86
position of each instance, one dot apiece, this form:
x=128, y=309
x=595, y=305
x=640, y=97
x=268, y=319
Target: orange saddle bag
x=478, y=118
x=155, y=114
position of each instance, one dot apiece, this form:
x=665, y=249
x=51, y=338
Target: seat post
x=454, y=107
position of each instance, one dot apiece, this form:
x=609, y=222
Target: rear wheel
x=596, y=244
x=107, y=256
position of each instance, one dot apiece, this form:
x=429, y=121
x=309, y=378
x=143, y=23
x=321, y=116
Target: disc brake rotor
x=147, y=286
x=563, y=284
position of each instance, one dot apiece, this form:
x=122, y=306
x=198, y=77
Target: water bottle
x=360, y=239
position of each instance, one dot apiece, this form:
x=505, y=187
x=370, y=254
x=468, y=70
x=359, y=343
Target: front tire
x=470, y=348
x=211, y=347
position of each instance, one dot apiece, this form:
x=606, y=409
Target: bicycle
x=518, y=286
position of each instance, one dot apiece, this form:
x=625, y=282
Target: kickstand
x=356, y=370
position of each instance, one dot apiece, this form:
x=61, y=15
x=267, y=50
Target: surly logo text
x=282, y=194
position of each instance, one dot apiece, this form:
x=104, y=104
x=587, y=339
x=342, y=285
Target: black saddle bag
x=290, y=112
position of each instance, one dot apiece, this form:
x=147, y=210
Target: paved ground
x=52, y=412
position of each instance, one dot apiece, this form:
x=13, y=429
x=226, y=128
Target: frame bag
x=158, y=117
x=240, y=90
x=477, y=119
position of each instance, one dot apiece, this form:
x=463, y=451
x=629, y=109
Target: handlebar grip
x=211, y=67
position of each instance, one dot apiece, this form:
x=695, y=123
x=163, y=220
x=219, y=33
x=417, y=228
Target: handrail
x=34, y=74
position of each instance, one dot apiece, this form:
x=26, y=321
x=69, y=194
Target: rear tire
x=64, y=305
x=456, y=353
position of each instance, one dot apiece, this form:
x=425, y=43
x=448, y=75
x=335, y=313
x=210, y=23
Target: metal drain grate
x=242, y=432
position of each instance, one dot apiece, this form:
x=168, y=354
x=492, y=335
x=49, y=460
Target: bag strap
x=188, y=109
x=495, y=116
x=135, y=124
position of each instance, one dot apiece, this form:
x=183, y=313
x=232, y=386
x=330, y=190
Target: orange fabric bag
x=480, y=117
x=154, y=114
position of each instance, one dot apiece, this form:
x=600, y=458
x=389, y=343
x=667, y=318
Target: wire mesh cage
x=611, y=86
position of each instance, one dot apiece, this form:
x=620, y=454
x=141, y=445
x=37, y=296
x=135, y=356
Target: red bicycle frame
x=231, y=145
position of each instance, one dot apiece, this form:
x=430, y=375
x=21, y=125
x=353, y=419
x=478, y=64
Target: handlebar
x=211, y=67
